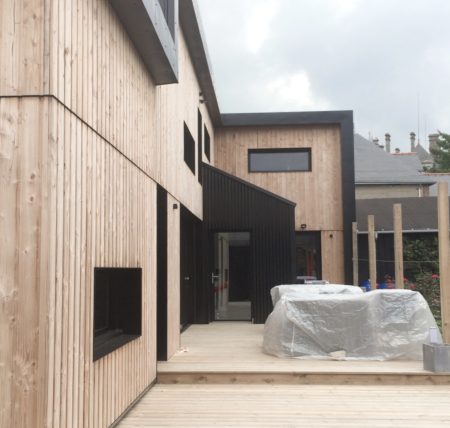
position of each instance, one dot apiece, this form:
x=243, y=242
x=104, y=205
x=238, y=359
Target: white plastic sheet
x=281, y=290
x=379, y=325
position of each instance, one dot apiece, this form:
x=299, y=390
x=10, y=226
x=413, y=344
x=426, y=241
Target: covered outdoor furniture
x=379, y=325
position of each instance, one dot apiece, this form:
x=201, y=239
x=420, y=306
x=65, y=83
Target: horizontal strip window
x=279, y=160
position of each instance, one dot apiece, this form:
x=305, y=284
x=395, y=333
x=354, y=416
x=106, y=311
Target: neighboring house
x=438, y=177
x=379, y=174
x=130, y=206
x=419, y=218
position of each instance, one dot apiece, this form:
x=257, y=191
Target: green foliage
x=421, y=256
x=428, y=285
x=441, y=154
x=421, y=259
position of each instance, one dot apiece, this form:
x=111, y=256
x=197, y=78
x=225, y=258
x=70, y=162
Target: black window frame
x=189, y=149
x=117, y=299
x=280, y=150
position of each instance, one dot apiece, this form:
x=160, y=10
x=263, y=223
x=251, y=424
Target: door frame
x=209, y=269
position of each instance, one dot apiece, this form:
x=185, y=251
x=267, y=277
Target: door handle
x=214, y=278
x=187, y=278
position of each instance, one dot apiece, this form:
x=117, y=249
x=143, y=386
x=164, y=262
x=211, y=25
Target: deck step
x=298, y=378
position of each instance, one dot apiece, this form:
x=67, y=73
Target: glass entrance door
x=231, y=276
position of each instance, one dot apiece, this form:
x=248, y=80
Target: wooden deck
x=230, y=352
x=305, y=406
x=221, y=378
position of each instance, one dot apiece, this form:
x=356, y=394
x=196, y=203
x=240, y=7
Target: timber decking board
x=308, y=406
x=232, y=352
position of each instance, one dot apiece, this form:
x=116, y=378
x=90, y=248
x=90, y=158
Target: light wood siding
x=96, y=72
x=333, y=256
x=80, y=158
x=71, y=202
x=24, y=259
x=173, y=276
x=24, y=38
x=318, y=193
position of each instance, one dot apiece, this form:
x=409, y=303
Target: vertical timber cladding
x=325, y=196
x=70, y=202
x=230, y=204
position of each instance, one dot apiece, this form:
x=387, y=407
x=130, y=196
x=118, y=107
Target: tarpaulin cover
x=379, y=325
x=281, y=290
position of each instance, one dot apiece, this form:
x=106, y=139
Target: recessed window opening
x=117, y=308
x=207, y=145
x=189, y=149
x=199, y=146
x=279, y=160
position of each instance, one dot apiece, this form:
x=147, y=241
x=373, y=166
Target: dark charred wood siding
x=230, y=204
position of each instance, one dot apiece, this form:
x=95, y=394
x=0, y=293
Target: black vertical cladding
x=161, y=274
x=231, y=204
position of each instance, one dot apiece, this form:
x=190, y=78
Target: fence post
x=444, y=272
x=398, y=246
x=355, y=253
x=372, y=251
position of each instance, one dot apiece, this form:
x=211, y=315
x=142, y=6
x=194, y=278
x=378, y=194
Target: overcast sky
x=375, y=57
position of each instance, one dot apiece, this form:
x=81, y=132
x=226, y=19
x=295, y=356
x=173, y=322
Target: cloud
x=345, y=7
x=372, y=57
x=258, y=24
x=293, y=92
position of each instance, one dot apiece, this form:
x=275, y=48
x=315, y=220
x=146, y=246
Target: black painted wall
x=231, y=204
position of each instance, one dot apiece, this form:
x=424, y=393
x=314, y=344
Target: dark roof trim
x=252, y=186
x=396, y=183
x=193, y=32
x=288, y=118
x=146, y=26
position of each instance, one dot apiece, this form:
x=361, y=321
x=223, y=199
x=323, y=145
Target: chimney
x=387, y=139
x=433, y=139
x=412, y=137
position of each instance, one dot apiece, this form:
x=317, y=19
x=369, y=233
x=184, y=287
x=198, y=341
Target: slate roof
x=411, y=160
x=419, y=214
x=374, y=166
x=423, y=154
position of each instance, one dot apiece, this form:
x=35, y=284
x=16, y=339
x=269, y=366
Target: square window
x=117, y=308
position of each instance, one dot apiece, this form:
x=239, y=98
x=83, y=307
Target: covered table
x=379, y=325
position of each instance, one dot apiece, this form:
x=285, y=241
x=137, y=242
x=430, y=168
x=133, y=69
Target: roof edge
x=193, y=31
x=287, y=118
x=248, y=184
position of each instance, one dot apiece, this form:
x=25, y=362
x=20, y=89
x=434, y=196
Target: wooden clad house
x=111, y=146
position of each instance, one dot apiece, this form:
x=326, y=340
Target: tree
x=441, y=153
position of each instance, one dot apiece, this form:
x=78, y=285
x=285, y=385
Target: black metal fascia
x=250, y=185
x=287, y=118
x=146, y=26
x=195, y=40
x=343, y=118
